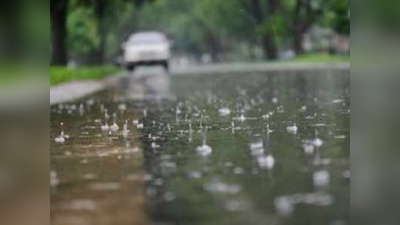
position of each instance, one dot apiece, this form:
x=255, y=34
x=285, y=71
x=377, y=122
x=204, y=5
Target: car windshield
x=147, y=39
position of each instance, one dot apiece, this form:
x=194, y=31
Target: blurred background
x=89, y=32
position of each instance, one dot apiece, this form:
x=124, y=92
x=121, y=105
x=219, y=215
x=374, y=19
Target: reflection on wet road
x=261, y=148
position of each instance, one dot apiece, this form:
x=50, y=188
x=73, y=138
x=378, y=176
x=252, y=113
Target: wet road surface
x=256, y=148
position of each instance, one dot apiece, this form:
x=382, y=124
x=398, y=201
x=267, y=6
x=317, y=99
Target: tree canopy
x=225, y=29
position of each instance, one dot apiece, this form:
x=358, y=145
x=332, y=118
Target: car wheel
x=166, y=65
x=130, y=67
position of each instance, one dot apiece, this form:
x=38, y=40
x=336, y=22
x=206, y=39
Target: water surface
x=259, y=171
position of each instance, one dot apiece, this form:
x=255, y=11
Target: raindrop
x=337, y=101
x=257, y=148
x=114, y=127
x=54, y=181
x=61, y=138
x=204, y=149
x=284, y=206
x=267, y=162
x=308, y=148
x=303, y=108
x=317, y=142
x=168, y=127
x=105, y=127
x=154, y=145
x=169, y=196
x=265, y=117
x=292, y=129
x=242, y=118
x=224, y=111
x=125, y=131
x=122, y=107
x=321, y=178
x=106, y=115
x=269, y=131
x=140, y=126
x=145, y=113
x=220, y=187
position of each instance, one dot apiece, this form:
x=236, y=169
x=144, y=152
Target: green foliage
x=83, y=38
x=322, y=58
x=192, y=23
x=83, y=26
x=63, y=74
x=338, y=16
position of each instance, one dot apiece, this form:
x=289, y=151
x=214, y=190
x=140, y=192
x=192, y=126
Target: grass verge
x=63, y=74
x=322, y=58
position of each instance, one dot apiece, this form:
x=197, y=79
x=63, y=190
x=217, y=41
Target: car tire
x=165, y=64
x=130, y=67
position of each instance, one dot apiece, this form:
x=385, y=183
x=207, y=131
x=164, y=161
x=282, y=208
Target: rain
x=244, y=146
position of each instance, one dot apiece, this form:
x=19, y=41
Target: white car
x=146, y=48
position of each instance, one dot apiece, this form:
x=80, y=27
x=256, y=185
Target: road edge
x=71, y=91
x=75, y=90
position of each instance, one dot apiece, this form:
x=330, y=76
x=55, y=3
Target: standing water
x=262, y=165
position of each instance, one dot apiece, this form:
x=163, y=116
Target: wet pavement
x=242, y=148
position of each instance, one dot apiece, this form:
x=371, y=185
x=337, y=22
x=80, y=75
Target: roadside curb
x=74, y=90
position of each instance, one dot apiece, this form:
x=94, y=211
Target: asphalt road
x=212, y=145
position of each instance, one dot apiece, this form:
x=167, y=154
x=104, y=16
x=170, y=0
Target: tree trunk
x=59, y=53
x=269, y=47
x=304, y=17
x=100, y=7
x=215, y=47
x=298, y=39
x=267, y=40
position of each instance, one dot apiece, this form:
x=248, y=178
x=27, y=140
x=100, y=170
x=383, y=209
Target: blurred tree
x=221, y=28
x=58, y=15
x=70, y=18
x=104, y=10
x=263, y=14
x=82, y=38
x=304, y=14
x=191, y=23
x=338, y=16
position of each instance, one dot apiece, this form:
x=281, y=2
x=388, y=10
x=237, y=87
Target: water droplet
x=267, y=162
x=321, y=178
x=114, y=127
x=224, y=111
x=292, y=129
x=284, y=206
